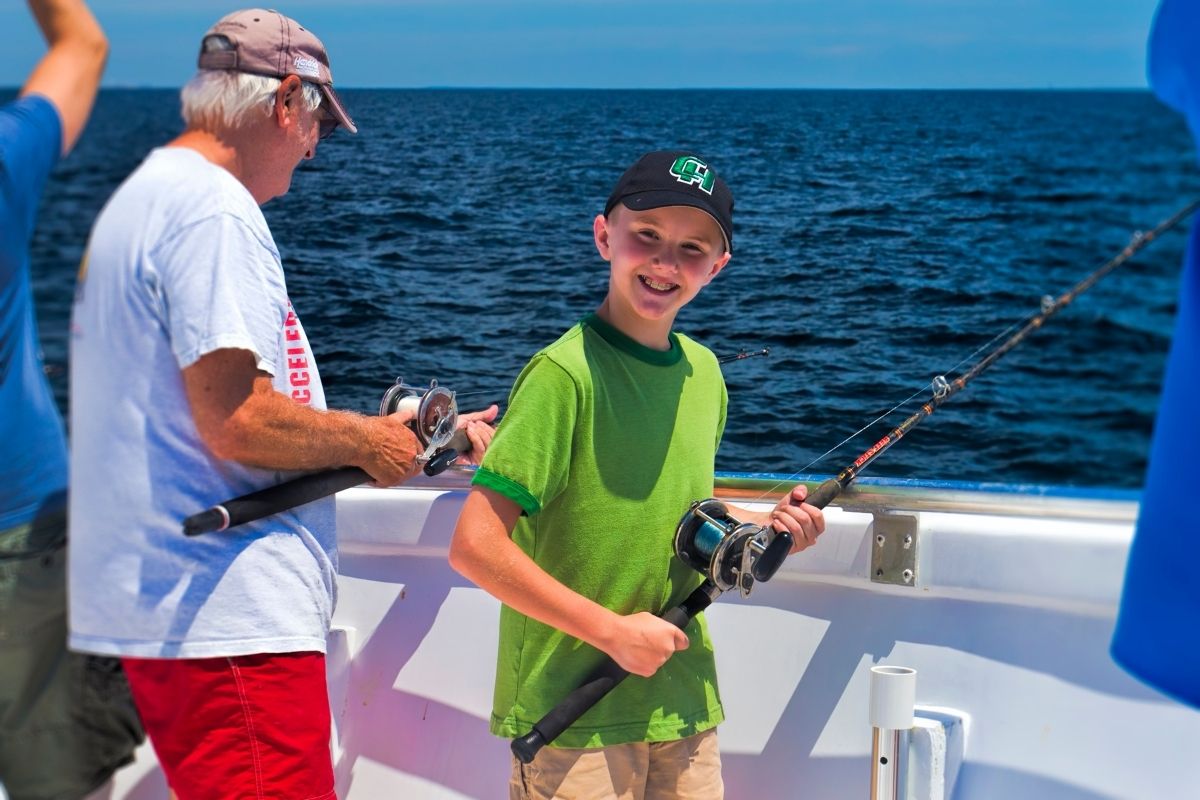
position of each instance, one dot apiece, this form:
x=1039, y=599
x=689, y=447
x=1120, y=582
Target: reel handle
x=767, y=564
x=440, y=462
x=777, y=551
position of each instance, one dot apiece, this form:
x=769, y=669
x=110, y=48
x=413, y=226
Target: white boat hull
x=1007, y=620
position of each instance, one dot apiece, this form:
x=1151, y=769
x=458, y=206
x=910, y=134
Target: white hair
x=226, y=100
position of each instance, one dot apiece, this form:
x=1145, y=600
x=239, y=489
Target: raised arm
x=241, y=417
x=69, y=74
x=483, y=551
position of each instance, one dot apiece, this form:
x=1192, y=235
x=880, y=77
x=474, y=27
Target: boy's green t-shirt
x=604, y=445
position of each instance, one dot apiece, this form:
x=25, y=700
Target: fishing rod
x=435, y=421
x=742, y=354
x=733, y=554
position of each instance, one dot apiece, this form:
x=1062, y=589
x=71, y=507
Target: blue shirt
x=33, y=461
x=1156, y=636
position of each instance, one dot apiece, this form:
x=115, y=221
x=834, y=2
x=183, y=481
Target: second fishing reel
x=435, y=422
x=730, y=553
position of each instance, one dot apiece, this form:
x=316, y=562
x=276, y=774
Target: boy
x=610, y=433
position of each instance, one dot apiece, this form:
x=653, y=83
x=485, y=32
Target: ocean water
x=880, y=239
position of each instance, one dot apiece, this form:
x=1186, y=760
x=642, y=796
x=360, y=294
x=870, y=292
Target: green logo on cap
x=694, y=172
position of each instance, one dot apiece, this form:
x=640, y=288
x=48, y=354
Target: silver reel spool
x=435, y=414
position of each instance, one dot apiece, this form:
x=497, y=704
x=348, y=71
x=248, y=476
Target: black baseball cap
x=675, y=178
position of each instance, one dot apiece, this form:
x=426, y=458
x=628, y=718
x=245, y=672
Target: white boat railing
x=1002, y=598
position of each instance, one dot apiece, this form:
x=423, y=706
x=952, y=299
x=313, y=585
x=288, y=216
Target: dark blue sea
x=881, y=238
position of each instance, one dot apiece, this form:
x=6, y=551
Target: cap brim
x=337, y=109
x=660, y=198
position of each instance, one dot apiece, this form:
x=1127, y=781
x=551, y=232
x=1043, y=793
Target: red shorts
x=242, y=728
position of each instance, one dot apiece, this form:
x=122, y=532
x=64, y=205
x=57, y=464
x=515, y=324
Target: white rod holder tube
x=893, y=695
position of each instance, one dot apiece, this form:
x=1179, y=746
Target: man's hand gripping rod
x=435, y=424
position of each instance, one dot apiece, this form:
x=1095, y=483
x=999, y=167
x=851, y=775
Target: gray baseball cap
x=265, y=42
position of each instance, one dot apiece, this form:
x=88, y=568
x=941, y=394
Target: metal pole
x=893, y=693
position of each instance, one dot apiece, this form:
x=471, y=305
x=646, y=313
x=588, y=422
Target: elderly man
x=193, y=382
x=45, y=692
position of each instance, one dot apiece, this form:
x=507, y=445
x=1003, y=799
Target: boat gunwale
x=890, y=495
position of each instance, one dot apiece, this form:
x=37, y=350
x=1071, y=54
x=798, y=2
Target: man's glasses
x=328, y=123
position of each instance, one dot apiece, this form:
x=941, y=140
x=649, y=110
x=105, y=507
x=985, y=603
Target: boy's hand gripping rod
x=605, y=677
x=435, y=421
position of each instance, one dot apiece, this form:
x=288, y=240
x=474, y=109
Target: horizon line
x=449, y=87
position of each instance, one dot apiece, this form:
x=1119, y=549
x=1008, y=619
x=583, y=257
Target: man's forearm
x=240, y=417
x=274, y=432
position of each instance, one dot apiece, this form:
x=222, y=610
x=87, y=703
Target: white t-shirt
x=181, y=263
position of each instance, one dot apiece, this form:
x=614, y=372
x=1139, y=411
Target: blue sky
x=649, y=43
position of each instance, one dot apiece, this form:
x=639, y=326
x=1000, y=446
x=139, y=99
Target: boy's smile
x=660, y=259
x=665, y=288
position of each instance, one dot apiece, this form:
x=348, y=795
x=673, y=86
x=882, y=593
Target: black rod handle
x=824, y=494
x=274, y=499
x=602, y=681
x=599, y=683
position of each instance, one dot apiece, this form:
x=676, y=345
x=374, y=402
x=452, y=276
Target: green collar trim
x=659, y=358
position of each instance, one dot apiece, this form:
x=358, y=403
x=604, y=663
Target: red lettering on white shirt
x=297, y=363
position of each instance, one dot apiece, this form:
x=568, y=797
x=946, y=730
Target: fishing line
x=942, y=389
x=924, y=388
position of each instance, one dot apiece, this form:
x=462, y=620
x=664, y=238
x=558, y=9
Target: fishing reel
x=730, y=553
x=435, y=421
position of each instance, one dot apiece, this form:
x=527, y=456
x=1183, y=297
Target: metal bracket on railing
x=894, y=549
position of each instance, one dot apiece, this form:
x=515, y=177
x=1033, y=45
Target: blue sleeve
x=1173, y=59
x=30, y=144
x=1155, y=635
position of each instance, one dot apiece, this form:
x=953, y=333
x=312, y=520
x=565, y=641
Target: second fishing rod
x=735, y=555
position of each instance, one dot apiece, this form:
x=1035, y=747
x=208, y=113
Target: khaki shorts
x=66, y=720
x=687, y=769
